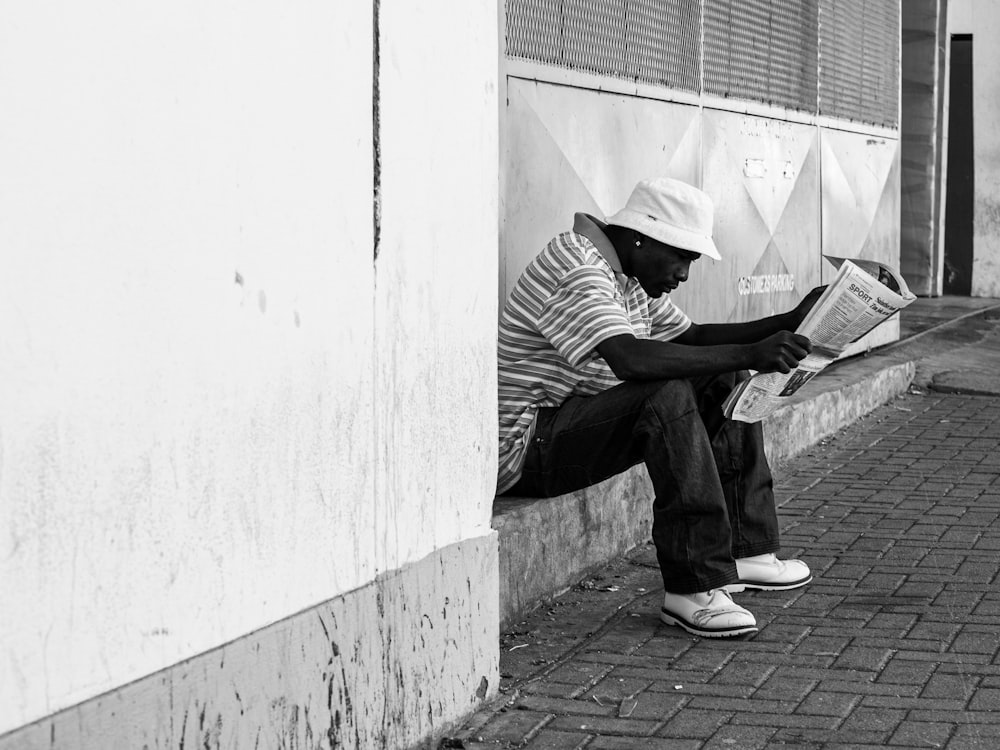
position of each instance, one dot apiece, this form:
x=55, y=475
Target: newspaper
x=863, y=295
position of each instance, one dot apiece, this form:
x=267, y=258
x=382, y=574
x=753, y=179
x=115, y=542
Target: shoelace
x=705, y=615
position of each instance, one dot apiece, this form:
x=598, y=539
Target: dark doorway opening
x=961, y=195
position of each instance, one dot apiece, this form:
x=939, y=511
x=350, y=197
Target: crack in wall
x=376, y=134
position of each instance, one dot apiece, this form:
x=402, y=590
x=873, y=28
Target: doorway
x=960, y=200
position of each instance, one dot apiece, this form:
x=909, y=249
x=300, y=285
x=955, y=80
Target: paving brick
x=605, y=725
x=694, y=723
x=552, y=689
x=780, y=687
x=958, y=601
x=616, y=688
x=716, y=689
x=548, y=739
x=924, y=592
x=805, y=661
x=671, y=676
x=823, y=703
x=579, y=673
x=658, y=706
x=741, y=672
x=784, y=633
x=975, y=737
x=665, y=646
x=642, y=743
x=513, y=726
x=921, y=734
x=827, y=723
x=710, y=658
x=988, y=607
x=910, y=703
x=986, y=699
x=860, y=657
x=637, y=660
x=953, y=686
x=576, y=707
x=941, y=632
x=752, y=705
x=874, y=719
x=743, y=737
x=859, y=688
x=896, y=625
x=971, y=641
x=818, y=644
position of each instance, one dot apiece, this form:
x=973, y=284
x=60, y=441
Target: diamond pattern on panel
x=557, y=161
x=860, y=196
x=762, y=175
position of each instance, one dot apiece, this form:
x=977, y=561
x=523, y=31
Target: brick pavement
x=895, y=643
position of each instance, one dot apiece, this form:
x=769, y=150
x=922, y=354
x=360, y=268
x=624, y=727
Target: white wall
x=436, y=276
x=216, y=410
x=981, y=18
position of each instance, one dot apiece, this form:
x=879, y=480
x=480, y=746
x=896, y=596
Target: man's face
x=661, y=268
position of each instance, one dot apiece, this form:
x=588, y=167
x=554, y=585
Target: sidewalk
x=896, y=641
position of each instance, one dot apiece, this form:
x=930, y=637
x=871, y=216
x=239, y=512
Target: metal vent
x=762, y=50
x=839, y=58
x=859, y=60
x=648, y=41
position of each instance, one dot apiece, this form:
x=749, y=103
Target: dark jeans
x=714, y=499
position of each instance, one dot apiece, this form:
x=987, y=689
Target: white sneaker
x=768, y=573
x=712, y=614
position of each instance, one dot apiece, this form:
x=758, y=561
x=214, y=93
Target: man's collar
x=593, y=230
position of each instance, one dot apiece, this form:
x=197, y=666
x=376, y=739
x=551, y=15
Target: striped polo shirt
x=568, y=300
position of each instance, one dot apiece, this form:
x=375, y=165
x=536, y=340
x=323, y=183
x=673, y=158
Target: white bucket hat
x=671, y=212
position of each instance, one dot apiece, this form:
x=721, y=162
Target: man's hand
x=780, y=352
x=802, y=309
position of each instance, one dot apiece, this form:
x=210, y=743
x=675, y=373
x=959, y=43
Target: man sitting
x=599, y=370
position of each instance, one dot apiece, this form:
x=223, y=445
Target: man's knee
x=673, y=398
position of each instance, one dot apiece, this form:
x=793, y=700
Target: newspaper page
x=863, y=295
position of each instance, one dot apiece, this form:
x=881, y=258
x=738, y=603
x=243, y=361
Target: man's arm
x=766, y=345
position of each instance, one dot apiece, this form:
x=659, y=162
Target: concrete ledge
x=392, y=664
x=818, y=414
x=548, y=545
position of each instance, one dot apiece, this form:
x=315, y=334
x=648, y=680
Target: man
x=599, y=370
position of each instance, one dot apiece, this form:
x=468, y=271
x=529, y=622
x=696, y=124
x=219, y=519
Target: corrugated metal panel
x=649, y=41
x=762, y=50
x=859, y=60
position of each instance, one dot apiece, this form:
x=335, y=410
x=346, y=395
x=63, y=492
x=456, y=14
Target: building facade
x=247, y=415
x=252, y=260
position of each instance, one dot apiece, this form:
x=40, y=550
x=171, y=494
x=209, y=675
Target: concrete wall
x=218, y=409
x=921, y=257
x=786, y=191
x=981, y=18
